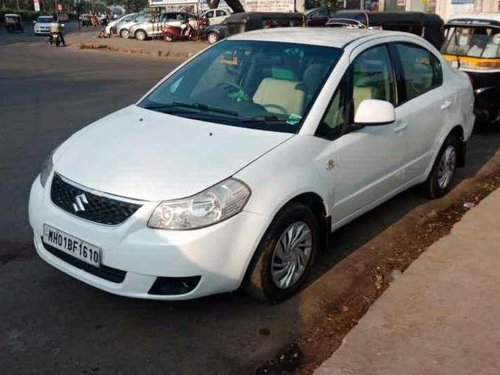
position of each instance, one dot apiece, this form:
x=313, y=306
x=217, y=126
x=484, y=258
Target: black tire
x=141, y=35
x=123, y=32
x=432, y=187
x=259, y=280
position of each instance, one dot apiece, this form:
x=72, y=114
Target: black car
x=241, y=22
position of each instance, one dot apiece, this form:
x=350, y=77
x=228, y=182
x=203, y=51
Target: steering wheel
x=282, y=110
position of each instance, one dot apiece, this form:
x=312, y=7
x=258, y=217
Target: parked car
x=215, y=16
x=154, y=28
x=241, y=22
x=42, y=25
x=234, y=169
x=62, y=17
x=318, y=17
x=473, y=45
x=122, y=28
x=428, y=26
x=111, y=28
x=86, y=19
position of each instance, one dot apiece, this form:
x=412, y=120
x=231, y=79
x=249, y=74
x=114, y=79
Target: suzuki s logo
x=80, y=201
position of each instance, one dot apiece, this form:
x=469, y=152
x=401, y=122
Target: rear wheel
x=141, y=35
x=441, y=177
x=285, y=255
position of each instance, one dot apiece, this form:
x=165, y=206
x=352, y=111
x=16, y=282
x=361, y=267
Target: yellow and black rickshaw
x=13, y=22
x=472, y=44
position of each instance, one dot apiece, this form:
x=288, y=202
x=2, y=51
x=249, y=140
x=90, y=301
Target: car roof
x=330, y=37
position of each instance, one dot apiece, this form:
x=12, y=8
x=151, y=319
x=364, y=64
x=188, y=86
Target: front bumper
x=218, y=254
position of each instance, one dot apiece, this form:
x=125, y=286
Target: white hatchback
x=233, y=170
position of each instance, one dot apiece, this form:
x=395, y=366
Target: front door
x=369, y=162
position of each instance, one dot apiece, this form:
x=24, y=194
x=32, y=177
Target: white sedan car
x=232, y=171
x=42, y=25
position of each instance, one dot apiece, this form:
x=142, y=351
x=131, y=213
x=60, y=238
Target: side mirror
x=372, y=112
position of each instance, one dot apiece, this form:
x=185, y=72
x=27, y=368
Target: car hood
x=141, y=154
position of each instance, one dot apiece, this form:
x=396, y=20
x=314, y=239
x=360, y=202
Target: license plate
x=76, y=247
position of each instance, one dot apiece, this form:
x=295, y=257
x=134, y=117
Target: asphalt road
x=51, y=323
x=28, y=37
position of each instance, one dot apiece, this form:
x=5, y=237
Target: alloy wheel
x=140, y=35
x=446, y=168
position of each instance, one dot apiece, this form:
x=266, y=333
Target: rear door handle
x=400, y=126
x=446, y=105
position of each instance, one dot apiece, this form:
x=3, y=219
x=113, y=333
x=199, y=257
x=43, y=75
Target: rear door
x=426, y=104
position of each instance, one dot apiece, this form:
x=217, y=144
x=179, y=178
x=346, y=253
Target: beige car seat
x=279, y=93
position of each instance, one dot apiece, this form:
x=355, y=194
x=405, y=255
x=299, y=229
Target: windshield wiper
x=263, y=120
x=199, y=106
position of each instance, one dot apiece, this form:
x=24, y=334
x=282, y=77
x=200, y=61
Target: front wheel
x=285, y=255
x=168, y=38
x=141, y=35
x=441, y=177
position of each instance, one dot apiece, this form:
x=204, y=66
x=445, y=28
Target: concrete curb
x=440, y=317
x=162, y=53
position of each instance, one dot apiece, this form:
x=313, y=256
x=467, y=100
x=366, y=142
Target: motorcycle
x=171, y=33
x=55, y=38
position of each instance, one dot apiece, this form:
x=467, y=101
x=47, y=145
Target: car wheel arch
x=319, y=208
x=317, y=205
x=459, y=132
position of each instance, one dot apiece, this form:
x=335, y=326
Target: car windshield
x=256, y=84
x=44, y=19
x=481, y=42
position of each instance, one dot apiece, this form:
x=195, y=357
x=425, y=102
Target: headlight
x=47, y=167
x=209, y=207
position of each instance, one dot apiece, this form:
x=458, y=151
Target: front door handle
x=400, y=126
x=446, y=105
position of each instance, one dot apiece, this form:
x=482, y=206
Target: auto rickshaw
x=472, y=44
x=428, y=26
x=13, y=23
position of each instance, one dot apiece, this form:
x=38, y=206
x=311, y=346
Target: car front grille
x=90, y=205
x=104, y=272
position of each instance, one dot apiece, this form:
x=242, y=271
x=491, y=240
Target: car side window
x=373, y=76
x=422, y=70
x=333, y=120
x=220, y=13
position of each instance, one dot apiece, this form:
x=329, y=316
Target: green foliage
x=26, y=15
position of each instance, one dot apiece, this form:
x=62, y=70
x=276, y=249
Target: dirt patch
x=135, y=51
x=383, y=258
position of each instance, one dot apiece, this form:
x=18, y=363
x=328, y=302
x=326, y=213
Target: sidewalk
x=442, y=316
x=158, y=48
